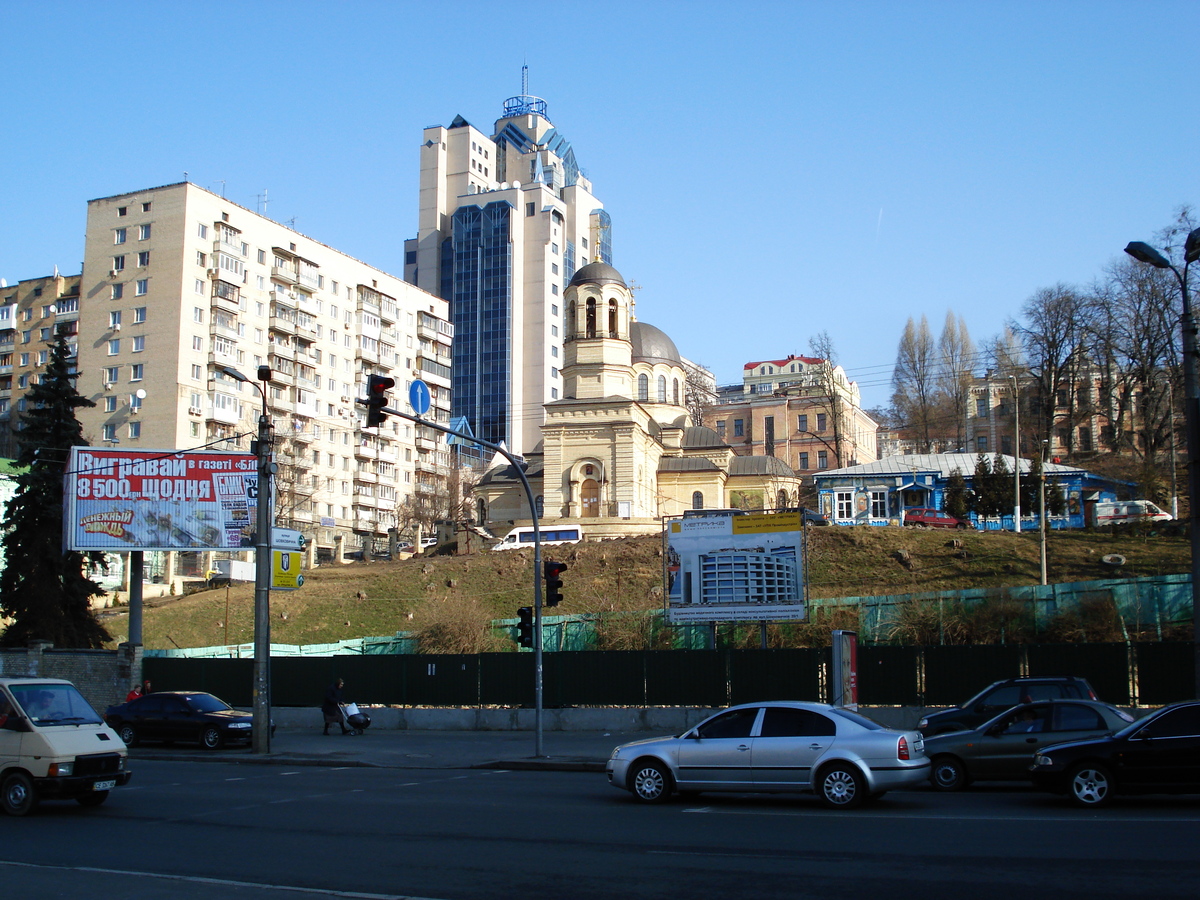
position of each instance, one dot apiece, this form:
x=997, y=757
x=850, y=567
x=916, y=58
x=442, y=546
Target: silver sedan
x=775, y=747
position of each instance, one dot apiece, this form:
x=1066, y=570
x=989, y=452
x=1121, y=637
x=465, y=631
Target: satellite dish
x=140, y=394
x=504, y=185
x=516, y=184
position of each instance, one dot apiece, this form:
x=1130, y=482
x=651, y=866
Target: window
x=844, y=504
x=554, y=248
x=530, y=209
x=139, y=315
x=697, y=499
x=553, y=331
x=118, y=291
x=135, y=429
x=143, y=287
x=554, y=351
x=26, y=337
x=110, y=433
x=114, y=319
x=981, y=443
x=24, y=359
x=554, y=309
x=721, y=429
x=122, y=210
x=143, y=232
x=802, y=424
x=114, y=346
x=643, y=387
x=201, y=259
x=111, y=374
x=736, y=723
x=198, y=314
x=119, y=263
x=802, y=461
x=553, y=372
x=553, y=393
x=202, y=231
x=146, y=206
x=262, y=257
x=662, y=389
x=981, y=407
x=44, y=334
x=739, y=428
x=144, y=258
x=135, y=403
x=784, y=722
x=119, y=236
x=878, y=504
x=197, y=343
x=110, y=404
x=820, y=422
x=822, y=459
x=139, y=343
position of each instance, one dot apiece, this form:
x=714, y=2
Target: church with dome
x=618, y=450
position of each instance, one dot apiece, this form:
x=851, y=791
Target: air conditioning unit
x=194, y=411
x=116, y=326
x=213, y=273
x=113, y=273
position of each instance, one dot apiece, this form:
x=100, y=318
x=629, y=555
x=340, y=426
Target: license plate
x=104, y=785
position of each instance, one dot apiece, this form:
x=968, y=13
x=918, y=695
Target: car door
x=1010, y=741
x=178, y=720
x=789, y=744
x=718, y=752
x=11, y=729
x=1165, y=753
x=146, y=715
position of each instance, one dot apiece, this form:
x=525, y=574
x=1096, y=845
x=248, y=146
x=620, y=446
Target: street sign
x=418, y=397
x=285, y=570
x=287, y=539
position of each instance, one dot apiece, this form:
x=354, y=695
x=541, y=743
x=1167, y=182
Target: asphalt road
x=190, y=830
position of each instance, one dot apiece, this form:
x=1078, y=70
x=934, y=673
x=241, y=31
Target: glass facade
x=481, y=310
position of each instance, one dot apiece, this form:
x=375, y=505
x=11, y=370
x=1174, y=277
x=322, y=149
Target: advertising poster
x=724, y=568
x=121, y=500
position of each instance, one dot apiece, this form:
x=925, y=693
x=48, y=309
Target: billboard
x=727, y=568
x=121, y=500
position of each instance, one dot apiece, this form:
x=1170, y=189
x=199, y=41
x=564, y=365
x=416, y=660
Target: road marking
x=223, y=882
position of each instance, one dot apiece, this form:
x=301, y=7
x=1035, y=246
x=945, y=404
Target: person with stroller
x=332, y=707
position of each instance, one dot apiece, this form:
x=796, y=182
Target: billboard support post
x=261, y=734
x=136, y=568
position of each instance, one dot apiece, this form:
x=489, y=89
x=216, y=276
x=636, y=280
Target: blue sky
x=773, y=170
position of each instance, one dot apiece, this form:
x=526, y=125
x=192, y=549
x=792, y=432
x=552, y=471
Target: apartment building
x=506, y=219
x=31, y=313
x=180, y=284
x=797, y=409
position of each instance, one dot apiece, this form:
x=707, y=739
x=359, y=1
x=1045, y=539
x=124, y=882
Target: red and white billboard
x=159, y=500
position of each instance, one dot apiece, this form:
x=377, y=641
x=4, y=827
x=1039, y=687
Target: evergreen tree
x=957, y=503
x=42, y=588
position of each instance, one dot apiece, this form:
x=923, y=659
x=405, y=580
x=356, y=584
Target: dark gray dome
x=598, y=273
x=652, y=345
x=701, y=437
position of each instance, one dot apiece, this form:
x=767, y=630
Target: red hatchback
x=934, y=518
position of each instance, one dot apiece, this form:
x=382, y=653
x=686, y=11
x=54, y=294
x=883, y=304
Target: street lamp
x=1143, y=252
x=261, y=734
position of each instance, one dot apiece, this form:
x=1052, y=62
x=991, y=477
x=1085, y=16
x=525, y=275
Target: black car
x=180, y=716
x=1001, y=695
x=1159, y=754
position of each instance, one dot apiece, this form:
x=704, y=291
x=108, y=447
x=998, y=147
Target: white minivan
x=1120, y=512
x=522, y=536
x=54, y=746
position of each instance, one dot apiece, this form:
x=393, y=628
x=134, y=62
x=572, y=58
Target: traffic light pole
x=537, y=560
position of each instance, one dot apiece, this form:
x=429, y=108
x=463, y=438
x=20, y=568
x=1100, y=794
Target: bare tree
x=914, y=381
x=1052, y=335
x=832, y=388
x=956, y=372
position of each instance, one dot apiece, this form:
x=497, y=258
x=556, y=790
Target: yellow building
x=618, y=452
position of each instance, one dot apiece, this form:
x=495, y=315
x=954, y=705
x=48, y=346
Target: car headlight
x=1040, y=759
x=59, y=770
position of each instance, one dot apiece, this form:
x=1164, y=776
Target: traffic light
x=553, y=574
x=377, y=398
x=525, y=626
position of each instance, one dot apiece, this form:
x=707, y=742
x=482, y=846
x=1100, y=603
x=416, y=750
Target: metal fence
x=1125, y=674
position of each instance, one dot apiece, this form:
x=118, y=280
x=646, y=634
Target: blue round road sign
x=418, y=397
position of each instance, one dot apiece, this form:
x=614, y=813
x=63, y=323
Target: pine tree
x=43, y=588
x=957, y=502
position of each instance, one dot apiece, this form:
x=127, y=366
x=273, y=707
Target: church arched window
x=662, y=388
x=675, y=390
x=643, y=387
x=591, y=318
x=571, y=321
x=612, y=318
x=697, y=500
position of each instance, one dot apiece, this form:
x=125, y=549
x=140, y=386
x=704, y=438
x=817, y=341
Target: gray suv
x=1002, y=695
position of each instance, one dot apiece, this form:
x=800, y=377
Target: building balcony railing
x=287, y=276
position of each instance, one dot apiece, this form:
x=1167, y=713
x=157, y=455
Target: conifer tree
x=42, y=588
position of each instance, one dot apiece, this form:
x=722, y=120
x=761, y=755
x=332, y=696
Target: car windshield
x=205, y=703
x=857, y=719
x=54, y=704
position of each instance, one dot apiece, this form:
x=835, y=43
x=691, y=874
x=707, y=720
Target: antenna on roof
x=525, y=79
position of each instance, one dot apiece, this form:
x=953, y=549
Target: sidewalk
x=564, y=751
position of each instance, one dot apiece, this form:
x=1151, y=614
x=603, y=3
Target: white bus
x=522, y=536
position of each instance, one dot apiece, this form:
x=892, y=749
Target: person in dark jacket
x=332, y=707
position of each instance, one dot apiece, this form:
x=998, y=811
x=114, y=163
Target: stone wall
x=104, y=677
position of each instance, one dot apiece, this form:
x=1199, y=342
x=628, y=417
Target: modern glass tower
x=505, y=220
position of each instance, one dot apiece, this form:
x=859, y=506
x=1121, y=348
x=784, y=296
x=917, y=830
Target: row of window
x=120, y=235
x=143, y=260
x=802, y=422
x=141, y=288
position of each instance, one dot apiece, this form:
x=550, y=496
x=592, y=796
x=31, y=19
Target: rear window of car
x=784, y=721
x=857, y=719
x=1072, y=717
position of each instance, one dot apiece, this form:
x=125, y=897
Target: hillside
x=445, y=594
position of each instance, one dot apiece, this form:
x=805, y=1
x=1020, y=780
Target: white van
x=522, y=536
x=1120, y=512
x=54, y=746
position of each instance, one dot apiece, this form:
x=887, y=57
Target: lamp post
x=1016, y=457
x=261, y=734
x=1143, y=252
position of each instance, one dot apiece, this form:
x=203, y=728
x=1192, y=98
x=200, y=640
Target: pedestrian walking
x=332, y=707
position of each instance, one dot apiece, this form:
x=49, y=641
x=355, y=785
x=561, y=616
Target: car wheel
x=1090, y=785
x=18, y=795
x=841, y=786
x=210, y=737
x=948, y=774
x=649, y=781
x=960, y=527
x=128, y=734
x=95, y=798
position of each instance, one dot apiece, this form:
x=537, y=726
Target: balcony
x=285, y=275
x=365, y=451
x=366, y=477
